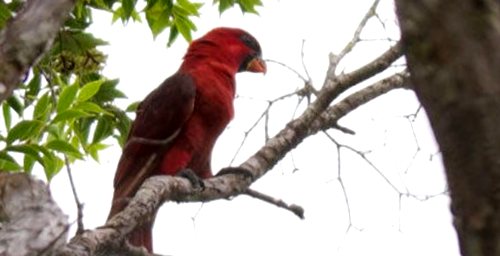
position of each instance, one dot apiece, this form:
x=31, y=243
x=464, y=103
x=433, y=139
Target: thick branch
x=32, y=223
x=27, y=37
x=329, y=118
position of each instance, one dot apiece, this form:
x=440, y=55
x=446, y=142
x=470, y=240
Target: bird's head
x=233, y=47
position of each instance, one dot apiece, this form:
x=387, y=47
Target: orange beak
x=257, y=65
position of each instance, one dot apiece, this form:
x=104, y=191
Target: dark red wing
x=160, y=116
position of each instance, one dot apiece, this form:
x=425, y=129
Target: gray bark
x=453, y=54
x=32, y=223
x=27, y=37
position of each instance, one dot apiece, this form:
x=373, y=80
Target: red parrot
x=177, y=124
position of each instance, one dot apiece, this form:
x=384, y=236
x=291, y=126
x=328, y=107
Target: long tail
x=142, y=236
x=126, y=185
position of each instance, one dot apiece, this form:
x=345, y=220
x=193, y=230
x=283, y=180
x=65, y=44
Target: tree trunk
x=453, y=54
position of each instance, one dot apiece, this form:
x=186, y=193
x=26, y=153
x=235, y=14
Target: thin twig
x=295, y=209
x=336, y=58
x=263, y=116
x=79, y=205
x=341, y=181
x=343, y=129
x=289, y=68
x=302, y=55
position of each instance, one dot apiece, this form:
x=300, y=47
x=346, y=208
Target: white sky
x=382, y=224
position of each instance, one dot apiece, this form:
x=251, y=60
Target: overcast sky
x=383, y=223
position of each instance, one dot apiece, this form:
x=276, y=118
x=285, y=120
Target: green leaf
x=78, y=10
x=135, y=16
x=150, y=4
x=224, y=5
x=9, y=164
x=108, y=92
x=123, y=124
x=77, y=42
x=67, y=97
x=100, y=4
x=183, y=25
x=24, y=130
x=108, y=3
x=128, y=8
x=42, y=108
x=191, y=8
x=158, y=16
x=133, y=106
x=6, y=116
x=89, y=90
x=28, y=163
x=249, y=5
x=65, y=148
x=70, y=114
x=5, y=14
x=103, y=129
x=33, y=88
x=91, y=107
x=28, y=149
x=16, y=104
x=94, y=149
x=52, y=165
x=118, y=14
x=55, y=130
x=81, y=129
x=174, y=32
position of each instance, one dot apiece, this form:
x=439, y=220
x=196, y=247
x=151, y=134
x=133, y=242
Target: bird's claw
x=236, y=170
x=195, y=180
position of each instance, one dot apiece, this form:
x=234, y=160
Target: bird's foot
x=236, y=170
x=195, y=180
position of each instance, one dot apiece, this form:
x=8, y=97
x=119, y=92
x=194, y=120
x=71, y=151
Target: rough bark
x=31, y=222
x=453, y=54
x=27, y=37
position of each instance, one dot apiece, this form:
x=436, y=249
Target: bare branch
x=329, y=118
x=309, y=80
x=336, y=58
x=27, y=37
x=289, y=68
x=295, y=209
x=341, y=182
x=79, y=205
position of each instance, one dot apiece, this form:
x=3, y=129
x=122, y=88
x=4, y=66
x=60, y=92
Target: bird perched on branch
x=178, y=123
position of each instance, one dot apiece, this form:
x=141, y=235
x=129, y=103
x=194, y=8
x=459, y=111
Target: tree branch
x=27, y=37
x=32, y=223
x=336, y=58
x=329, y=118
x=295, y=209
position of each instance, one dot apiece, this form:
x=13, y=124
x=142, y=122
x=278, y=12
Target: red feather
x=187, y=112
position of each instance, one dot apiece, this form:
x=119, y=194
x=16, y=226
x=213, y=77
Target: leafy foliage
x=65, y=109
x=245, y=5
